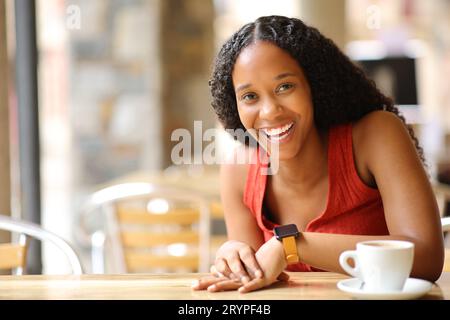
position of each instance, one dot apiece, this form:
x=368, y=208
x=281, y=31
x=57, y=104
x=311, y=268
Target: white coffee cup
x=382, y=265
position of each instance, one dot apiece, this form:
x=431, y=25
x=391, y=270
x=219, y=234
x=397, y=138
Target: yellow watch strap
x=290, y=249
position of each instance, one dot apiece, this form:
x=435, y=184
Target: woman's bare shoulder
x=376, y=120
x=373, y=135
x=375, y=128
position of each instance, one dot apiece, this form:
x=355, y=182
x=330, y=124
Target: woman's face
x=273, y=97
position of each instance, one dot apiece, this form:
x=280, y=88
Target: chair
x=13, y=255
x=442, y=193
x=149, y=227
x=446, y=228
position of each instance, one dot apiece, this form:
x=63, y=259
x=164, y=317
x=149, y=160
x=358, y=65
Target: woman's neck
x=310, y=165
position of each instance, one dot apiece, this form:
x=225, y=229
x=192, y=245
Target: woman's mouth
x=279, y=134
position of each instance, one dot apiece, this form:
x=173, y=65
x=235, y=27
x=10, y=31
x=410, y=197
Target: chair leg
x=23, y=241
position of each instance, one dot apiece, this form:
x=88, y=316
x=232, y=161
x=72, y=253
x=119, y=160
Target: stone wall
x=187, y=48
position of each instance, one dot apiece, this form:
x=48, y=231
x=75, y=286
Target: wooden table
x=310, y=286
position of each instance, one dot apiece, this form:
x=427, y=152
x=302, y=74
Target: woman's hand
x=272, y=260
x=236, y=260
x=235, y=265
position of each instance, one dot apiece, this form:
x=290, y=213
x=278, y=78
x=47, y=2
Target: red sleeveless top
x=352, y=206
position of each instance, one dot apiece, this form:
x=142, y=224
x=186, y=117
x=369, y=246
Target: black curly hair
x=341, y=92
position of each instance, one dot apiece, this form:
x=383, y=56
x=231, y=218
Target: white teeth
x=278, y=131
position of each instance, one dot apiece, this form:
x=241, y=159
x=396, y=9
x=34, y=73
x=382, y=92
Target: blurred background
x=91, y=92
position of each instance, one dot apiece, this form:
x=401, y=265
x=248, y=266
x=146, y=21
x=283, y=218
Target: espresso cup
x=382, y=265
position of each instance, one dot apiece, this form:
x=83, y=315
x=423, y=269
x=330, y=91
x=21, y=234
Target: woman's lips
x=280, y=134
x=277, y=131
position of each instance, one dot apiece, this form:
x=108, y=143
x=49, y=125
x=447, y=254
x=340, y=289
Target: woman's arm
x=409, y=203
x=320, y=250
x=235, y=259
x=240, y=223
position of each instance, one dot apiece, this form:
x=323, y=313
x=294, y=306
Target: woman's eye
x=284, y=87
x=248, y=97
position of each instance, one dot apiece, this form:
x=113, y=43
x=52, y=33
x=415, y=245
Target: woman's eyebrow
x=278, y=77
x=242, y=87
x=284, y=75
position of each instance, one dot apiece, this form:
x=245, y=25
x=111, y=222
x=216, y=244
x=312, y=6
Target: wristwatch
x=288, y=234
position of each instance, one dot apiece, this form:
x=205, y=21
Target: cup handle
x=343, y=260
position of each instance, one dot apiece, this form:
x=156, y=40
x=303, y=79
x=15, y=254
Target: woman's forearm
x=322, y=251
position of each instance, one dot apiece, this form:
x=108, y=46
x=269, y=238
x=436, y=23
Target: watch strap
x=290, y=249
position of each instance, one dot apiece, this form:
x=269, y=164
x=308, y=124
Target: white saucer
x=414, y=288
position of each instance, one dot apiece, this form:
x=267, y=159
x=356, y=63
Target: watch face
x=286, y=231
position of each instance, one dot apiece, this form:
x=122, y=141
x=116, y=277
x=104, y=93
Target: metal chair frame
x=28, y=229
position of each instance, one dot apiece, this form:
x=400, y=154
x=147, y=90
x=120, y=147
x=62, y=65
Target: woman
x=350, y=169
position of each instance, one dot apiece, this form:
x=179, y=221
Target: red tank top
x=352, y=206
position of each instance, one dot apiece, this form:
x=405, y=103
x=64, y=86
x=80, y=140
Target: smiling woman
x=350, y=169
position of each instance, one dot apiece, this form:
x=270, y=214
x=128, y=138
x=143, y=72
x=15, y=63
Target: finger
x=223, y=268
x=255, y=284
x=283, y=276
x=214, y=272
x=238, y=269
x=247, y=256
x=204, y=283
x=225, y=285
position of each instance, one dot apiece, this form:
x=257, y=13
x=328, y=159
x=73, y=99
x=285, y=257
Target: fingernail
x=212, y=288
x=245, y=279
x=258, y=274
x=195, y=284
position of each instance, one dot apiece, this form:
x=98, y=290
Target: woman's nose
x=271, y=109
